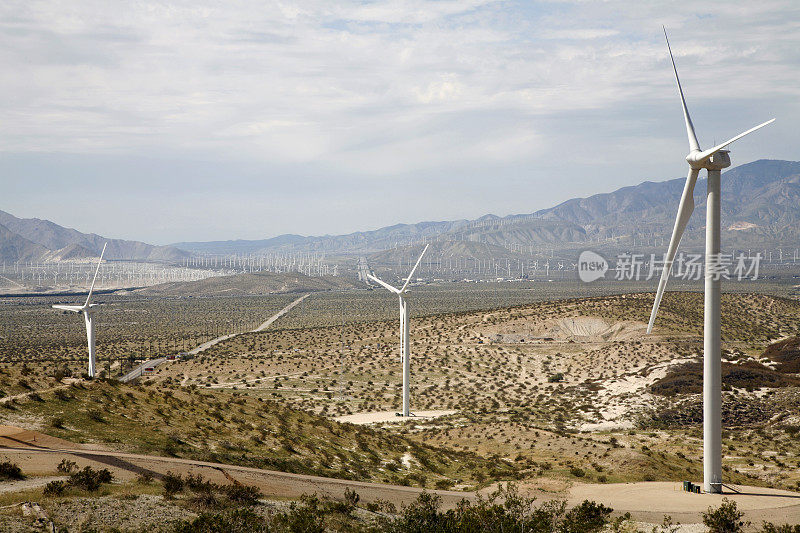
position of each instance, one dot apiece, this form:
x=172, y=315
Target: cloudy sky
x=188, y=120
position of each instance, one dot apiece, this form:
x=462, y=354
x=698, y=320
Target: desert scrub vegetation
x=563, y=367
x=233, y=428
x=127, y=327
x=759, y=434
x=487, y=360
x=503, y=511
x=207, y=495
x=749, y=375
x=88, y=479
x=243, y=400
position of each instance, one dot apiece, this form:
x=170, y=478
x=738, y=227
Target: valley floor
x=568, y=399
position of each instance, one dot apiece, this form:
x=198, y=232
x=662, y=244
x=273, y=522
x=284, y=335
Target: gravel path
x=26, y=484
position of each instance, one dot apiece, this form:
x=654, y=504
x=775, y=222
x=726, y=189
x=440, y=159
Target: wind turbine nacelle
x=716, y=161
x=719, y=160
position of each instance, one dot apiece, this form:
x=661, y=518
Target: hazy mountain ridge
x=251, y=284
x=761, y=206
x=764, y=193
x=442, y=251
x=60, y=243
x=15, y=248
x=361, y=241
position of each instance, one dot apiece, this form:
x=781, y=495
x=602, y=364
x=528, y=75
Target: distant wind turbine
x=402, y=294
x=713, y=160
x=87, y=310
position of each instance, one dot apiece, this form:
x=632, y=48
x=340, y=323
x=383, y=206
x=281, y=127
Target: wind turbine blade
x=73, y=308
x=408, y=279
x=383, y=283
x=91, y=289
x=711, y=151
x=693, y=144
x=681, y=220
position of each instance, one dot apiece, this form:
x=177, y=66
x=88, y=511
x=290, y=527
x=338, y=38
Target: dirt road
x=262, y=327
x=279, y=314
x=273, y=484
x=139, y=370
x=647, y=502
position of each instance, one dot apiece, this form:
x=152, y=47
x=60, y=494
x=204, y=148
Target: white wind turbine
x=713, y=160
x=402, y=294
x=87, y=310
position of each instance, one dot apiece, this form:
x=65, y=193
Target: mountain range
x=33, y=239
x=760, y=208
x=251, y=283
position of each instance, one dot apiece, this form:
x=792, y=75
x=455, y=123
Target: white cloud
x=580, y=33
x=385, y=88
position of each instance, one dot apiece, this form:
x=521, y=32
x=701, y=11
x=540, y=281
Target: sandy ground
x=390, y=416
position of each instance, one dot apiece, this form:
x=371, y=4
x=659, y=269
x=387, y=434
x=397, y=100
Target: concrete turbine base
x=650, y=501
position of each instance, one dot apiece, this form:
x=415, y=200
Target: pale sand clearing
x=629, y=393
x=390, y=416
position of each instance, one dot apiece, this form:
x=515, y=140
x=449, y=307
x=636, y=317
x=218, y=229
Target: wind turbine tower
x=713, y=161
x=402, y=294
x=87, y=310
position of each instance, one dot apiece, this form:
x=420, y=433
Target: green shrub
x=346, y=506
x=236, y=521
x=503, y=511
x=90, y=479
x=726, y=518
x=62, y=395
x=96, y=415
x=577, y=472
x=173, y=484
x=514, y=514
x=769, y=527
x=242, y=494
x=9, y=470
x=588, y=516
x=66, y=466
x=54, y=488
x=306, y=517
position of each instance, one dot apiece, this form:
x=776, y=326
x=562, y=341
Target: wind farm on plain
x=527, y=372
